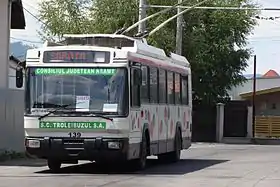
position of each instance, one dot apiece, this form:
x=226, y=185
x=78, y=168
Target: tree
x=214, y=41
x=64, y=17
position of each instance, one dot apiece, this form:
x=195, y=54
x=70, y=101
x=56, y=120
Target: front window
x=100, y=90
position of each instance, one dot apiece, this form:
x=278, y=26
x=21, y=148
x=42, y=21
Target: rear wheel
x=175, y=155
x=54, y=165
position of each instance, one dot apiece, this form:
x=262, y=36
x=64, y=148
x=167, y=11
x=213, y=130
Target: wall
x=11, y=100
x=261, y=84
x=268, y=104
x=4, y=42
x=11, y=116
x=12, y=109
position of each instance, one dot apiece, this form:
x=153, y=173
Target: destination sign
x=76, y=56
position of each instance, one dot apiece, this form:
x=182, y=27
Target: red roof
x=271, y=73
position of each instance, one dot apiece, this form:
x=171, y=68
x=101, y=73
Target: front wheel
x=140, y=163
x=54, y=165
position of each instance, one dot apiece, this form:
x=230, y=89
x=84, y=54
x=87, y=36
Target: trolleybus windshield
x=102, y=90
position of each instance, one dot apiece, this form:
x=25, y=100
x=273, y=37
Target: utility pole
x=254, y=96
x=142, y=15
x=179, y=33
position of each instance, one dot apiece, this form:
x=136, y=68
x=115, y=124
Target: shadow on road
x=24, y=163
x=154, y=168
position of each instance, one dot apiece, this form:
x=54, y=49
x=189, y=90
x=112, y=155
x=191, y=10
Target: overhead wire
x=153, y=15
x=272, y=18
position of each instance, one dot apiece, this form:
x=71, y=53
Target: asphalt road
x=209, y=165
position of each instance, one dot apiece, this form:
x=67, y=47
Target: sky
x=264, y=41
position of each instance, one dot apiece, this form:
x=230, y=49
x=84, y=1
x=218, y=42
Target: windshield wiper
x=45, y=104
x=89, y=113
x=59, y=107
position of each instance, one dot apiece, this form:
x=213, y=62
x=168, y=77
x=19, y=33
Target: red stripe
x=155, y=64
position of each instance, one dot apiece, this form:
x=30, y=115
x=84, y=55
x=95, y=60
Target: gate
x=204, y=123
x=235, y=119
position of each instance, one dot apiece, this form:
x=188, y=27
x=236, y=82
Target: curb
x=266, y=141
x=229, y=140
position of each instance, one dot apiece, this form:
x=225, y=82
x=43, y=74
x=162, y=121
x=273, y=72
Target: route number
x=75, y=134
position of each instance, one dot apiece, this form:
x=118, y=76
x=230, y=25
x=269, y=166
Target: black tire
x=54, y=165
x=175, y=155
x=141, y=162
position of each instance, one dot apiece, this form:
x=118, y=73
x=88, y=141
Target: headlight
x=114, y=145
x=32, y=143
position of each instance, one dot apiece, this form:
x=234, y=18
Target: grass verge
x=11, y=155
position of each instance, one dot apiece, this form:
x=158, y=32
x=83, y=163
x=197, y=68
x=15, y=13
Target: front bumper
x=77, y=149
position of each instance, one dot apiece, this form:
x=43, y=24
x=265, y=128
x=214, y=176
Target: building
x=267, y=102
x=267, y=99
x=11, y=100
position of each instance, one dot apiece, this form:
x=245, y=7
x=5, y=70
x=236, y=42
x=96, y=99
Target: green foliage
x=214, y=41
x=10, y=155
x=65, y=17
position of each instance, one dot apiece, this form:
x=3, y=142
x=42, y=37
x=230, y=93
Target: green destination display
x=75, y=71
x=72, y=125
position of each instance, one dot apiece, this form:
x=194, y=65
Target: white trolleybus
x=105, y=97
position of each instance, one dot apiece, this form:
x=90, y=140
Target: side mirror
x=137, y=77
x=19, y=78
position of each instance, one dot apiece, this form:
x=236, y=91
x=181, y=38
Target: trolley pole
x=142, y=15
x=179, y=33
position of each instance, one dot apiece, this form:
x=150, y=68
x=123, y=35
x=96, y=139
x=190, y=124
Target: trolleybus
x=105, y=97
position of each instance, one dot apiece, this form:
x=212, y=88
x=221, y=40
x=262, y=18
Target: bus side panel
x=163, y=129
x=178, y=116
x=150, y=118
x=135, y=133
x=186, y=127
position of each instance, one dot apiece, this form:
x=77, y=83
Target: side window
x=162, y=86
x=177, y=89
x=135, y=87
x=153, y=85
x=184, y=85
x=145, y=85
x=170, y=85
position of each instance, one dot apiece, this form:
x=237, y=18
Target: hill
x=18, y=49
x=248, y=76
